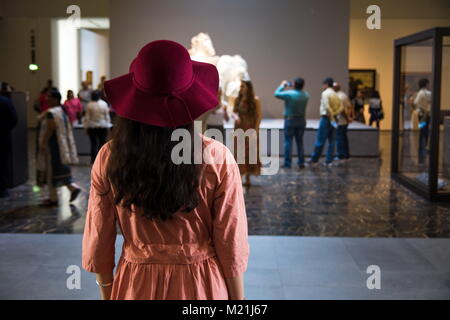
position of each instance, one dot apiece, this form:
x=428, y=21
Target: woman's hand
x=105, y=279
x=105, y=293
x=235, y=287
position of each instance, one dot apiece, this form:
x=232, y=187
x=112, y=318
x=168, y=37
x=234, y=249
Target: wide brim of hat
x=130, y=102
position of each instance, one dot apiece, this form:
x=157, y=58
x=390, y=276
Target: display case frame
x=429, y=191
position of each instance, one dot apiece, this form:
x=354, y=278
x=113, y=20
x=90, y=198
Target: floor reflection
x=354, y=200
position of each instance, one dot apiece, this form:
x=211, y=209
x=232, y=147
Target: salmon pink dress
x=187, y=257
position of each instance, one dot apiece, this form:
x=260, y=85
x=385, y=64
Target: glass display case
x=421, y=113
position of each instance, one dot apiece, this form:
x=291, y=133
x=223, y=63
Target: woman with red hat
x=184, y=225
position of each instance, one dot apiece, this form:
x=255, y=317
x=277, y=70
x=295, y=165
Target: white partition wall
x=94, y=54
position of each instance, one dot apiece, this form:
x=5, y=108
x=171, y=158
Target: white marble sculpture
x=232, y=69
x=202, y=49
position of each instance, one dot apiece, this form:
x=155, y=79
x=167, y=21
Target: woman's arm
x=235, y=287
x=230, y=235
x=105, y=279
x=98, y=254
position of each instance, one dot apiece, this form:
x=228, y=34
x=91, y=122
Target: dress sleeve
x=230, y=235
x=100, y=229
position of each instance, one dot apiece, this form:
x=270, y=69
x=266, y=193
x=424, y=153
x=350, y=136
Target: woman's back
x=183, y=222
x=186, y=257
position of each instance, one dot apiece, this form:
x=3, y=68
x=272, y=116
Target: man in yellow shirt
x=422, y=104
x=330, y=107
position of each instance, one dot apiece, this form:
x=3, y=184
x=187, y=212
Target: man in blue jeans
x=295, y=102
x=344, y=119
x=330, y=107
x=422, y=103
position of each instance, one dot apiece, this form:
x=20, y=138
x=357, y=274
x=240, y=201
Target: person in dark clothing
x=358, y=104
x=56, y=151
x=6, y=90
x=375, y=109
x=8, y=120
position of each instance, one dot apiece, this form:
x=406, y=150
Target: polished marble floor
x=279, y=267
x=357, y=199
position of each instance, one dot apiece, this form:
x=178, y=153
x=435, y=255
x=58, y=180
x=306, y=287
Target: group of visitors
x=336, y=113
x=336, y=110
x=358, y=98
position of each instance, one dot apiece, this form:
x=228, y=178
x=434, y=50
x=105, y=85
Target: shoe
x=286, y=167
x=74, y=194
x=328, y=164
x=301, y=166
x=312, y=163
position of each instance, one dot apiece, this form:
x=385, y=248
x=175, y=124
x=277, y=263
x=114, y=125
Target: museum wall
x=374, y=49
x=17, y=18
x=15, y=56
x=278, y=39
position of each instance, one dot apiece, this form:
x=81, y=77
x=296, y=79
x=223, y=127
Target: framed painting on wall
x=362, y=79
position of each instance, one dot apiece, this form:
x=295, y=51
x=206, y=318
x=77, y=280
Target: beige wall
x=373, y=49
x=15, y=56
x=403, y=9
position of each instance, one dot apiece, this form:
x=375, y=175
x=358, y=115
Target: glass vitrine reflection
x=444, y=126
x=421, y=119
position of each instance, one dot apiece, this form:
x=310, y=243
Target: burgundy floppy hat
x=165, y=87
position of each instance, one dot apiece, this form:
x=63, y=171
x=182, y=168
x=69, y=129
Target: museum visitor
x=56, y=151
x=97, y=122
x=375, y=109
x=330, y=107
x=343, y=120
x=247, y=107
x=295, y=103
x=422, y=105
x=134, y=181
x=8, y=120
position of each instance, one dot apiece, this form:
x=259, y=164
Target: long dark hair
x=143, y=175
x=250, y=95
